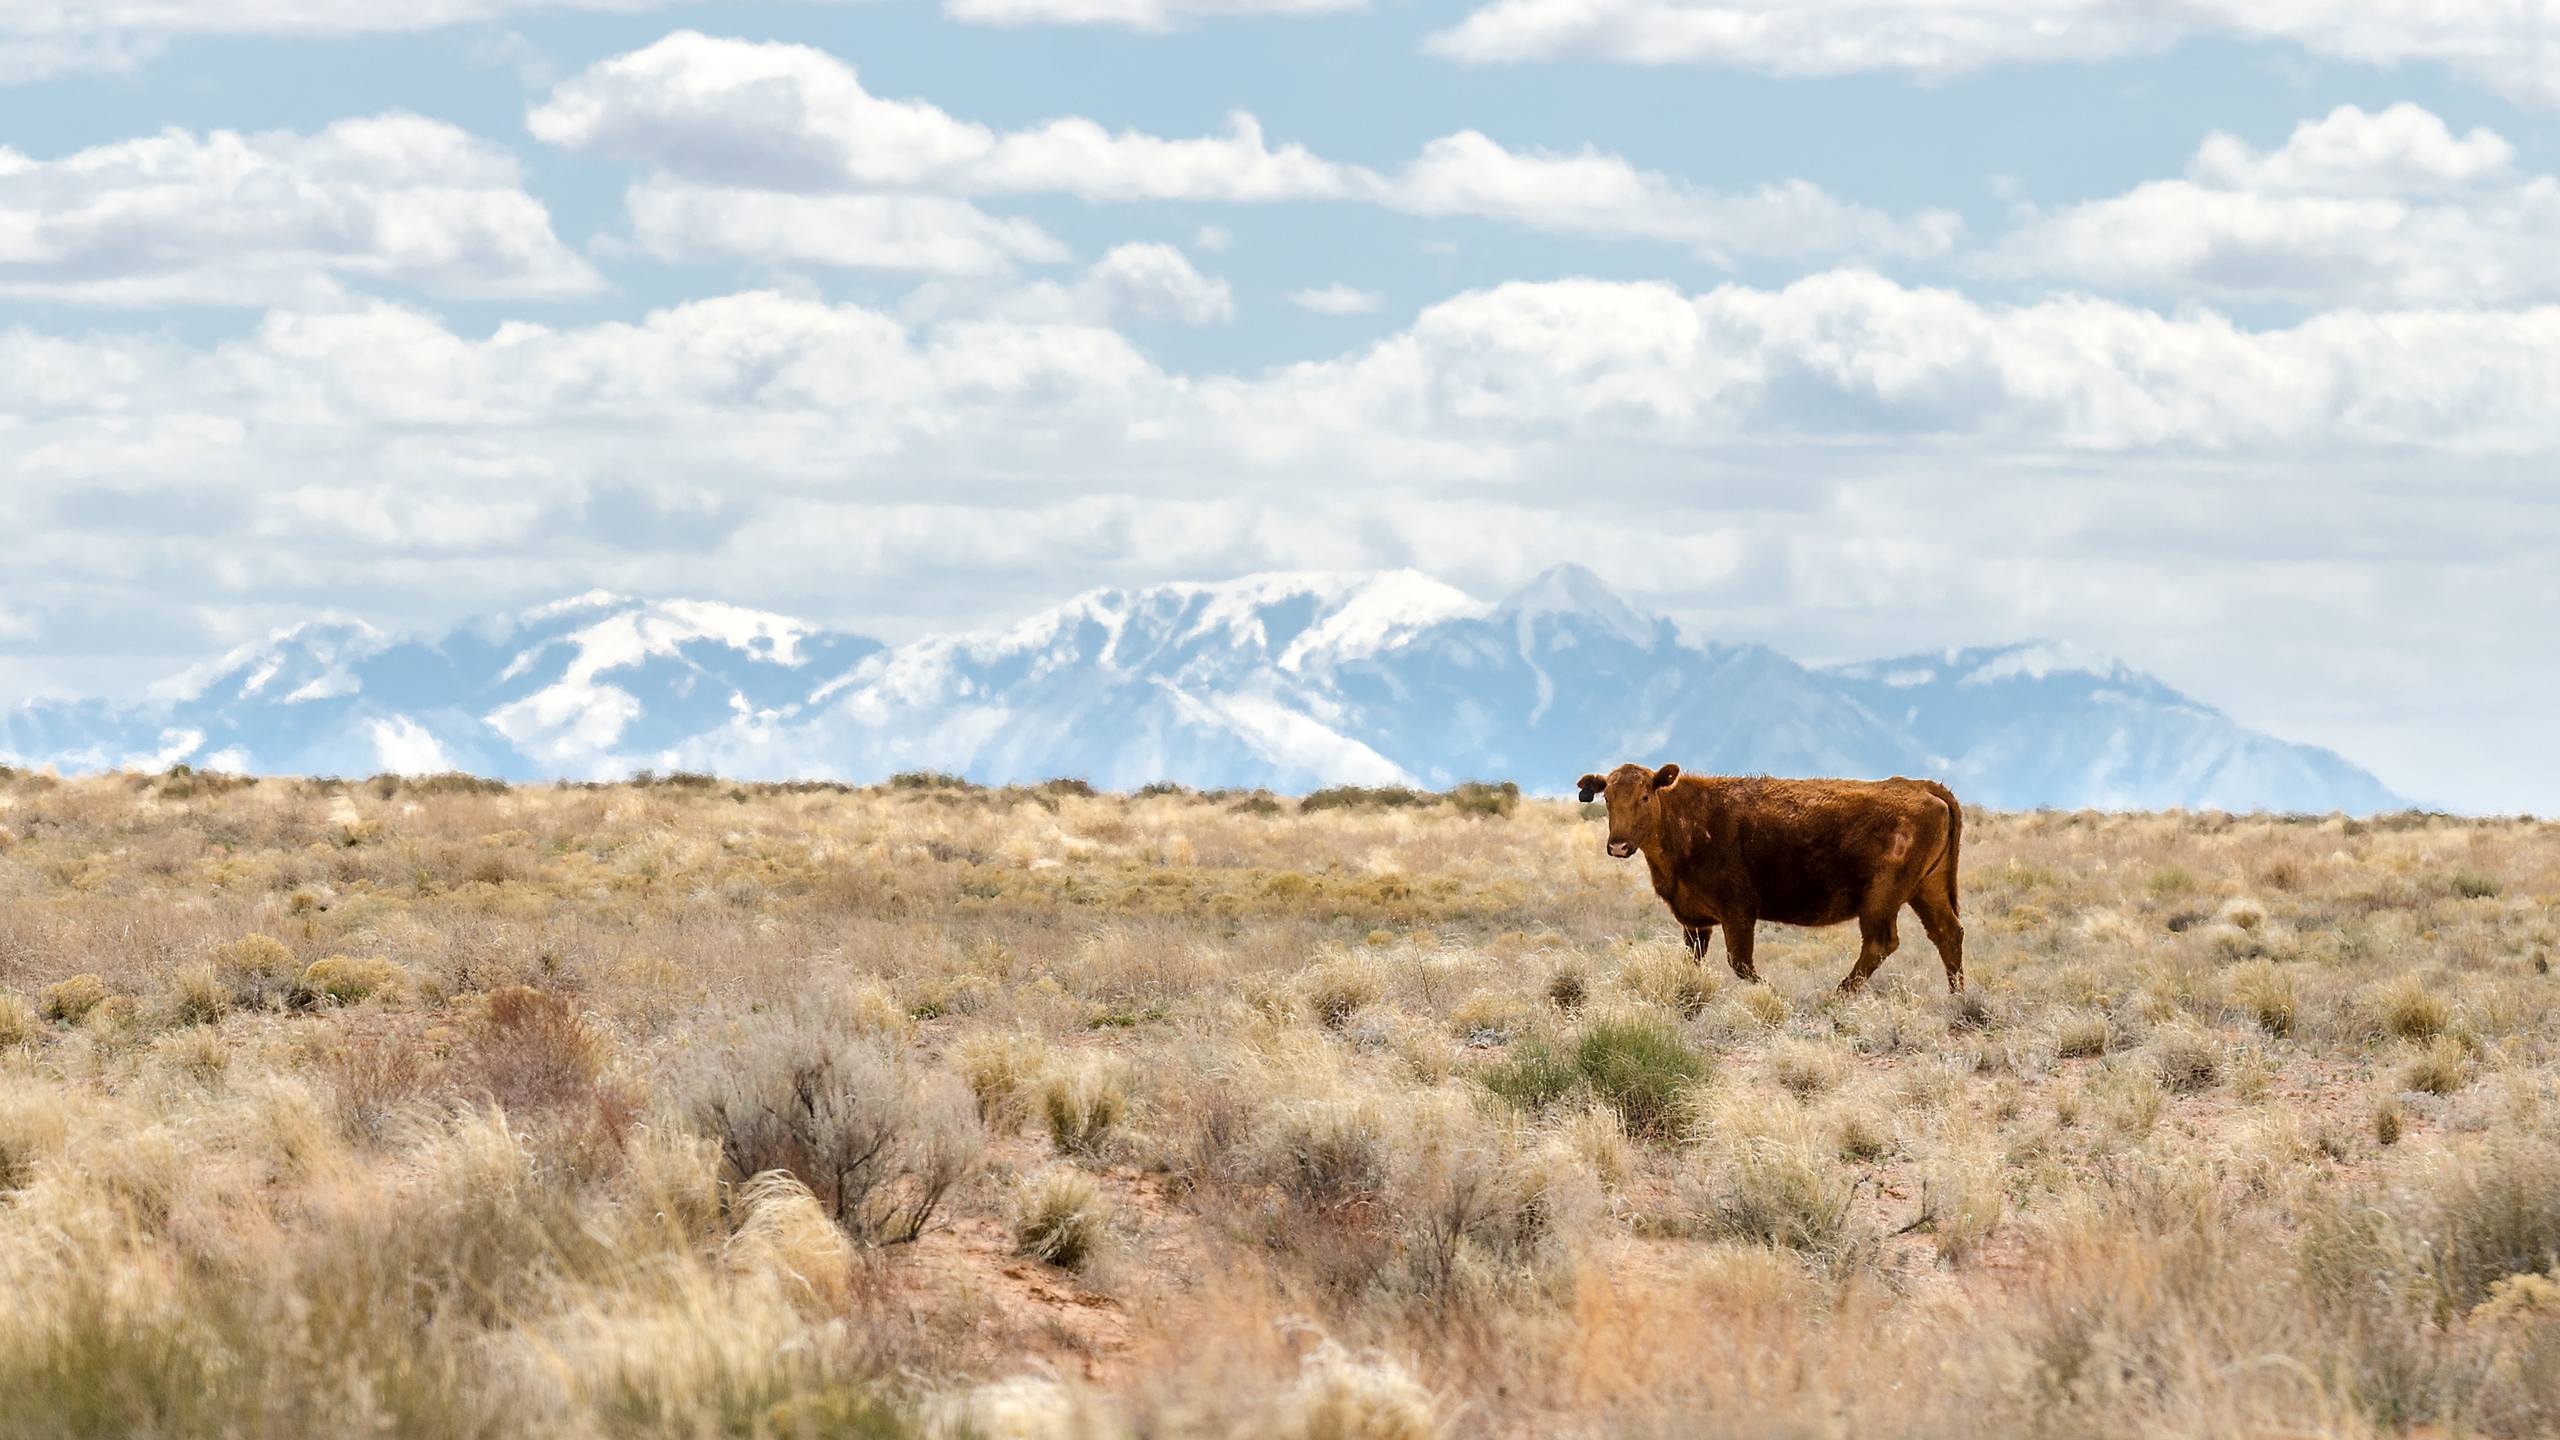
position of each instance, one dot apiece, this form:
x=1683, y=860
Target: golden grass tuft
x=68, y=1002
x=19, y=1022
x=348, y=979
x=1060, y=1217
x=1343, y=1396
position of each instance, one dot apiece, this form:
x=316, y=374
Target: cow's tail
x=1955, y=834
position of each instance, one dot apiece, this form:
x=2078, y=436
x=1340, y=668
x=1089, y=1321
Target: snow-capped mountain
x=1288, y=681
x=590, y=687
x=1219, y=684
x=1565, y=676
x=2010, y=725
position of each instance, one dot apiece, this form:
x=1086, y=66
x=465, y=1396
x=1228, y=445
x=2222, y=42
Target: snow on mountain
x=1564, y=677
x=2042, y=723
x=1572, y=598
x=594, y=686
x=1226, y=684
x=1289, y=681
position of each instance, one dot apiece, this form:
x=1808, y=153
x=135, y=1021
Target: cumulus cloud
x=43, y=38
x=2513, y=46
x=231, y=219
x=400, y=431
x=2402, y=150
x=925, y=234
x=1130, y=282
x=1131, y=14
x=792, y=119
x=1849, y=355
x=1594, y=193
x=1337, y=299
x=1843, y=456
x=2378, y=208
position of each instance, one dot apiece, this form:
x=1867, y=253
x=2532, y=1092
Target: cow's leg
x=1737, y=948
x=1935, y=904
x=1876, y=940
x=1697, y=937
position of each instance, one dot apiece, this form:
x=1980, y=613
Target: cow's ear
x=1592, y=785
x=1665, y=776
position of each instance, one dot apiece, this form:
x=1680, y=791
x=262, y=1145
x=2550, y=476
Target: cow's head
x=1635, y=805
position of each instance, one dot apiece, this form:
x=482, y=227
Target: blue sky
x=2226, y=342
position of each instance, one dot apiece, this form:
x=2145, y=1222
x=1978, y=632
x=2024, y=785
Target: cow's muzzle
x=1620, y=849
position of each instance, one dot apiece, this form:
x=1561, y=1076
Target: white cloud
x=1079, y=157
x=28, y=57
x=1841, y=462
x=926, y=234
x=1214, y=239
x=2514, y=46
x=1848, y=355
x=402, y=746
x=1131, y=14
x=2386, y=208
x=1156, y=282
x=1337, y=300
x=1594, y=193
x=789, y=118
x=792, y=387
x=43, y=38
x=232, y=219
x=1137, y=282
x=783, y=117
x=2404, y=149
x=1808, y=37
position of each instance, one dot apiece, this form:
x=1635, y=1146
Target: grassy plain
x=434, y=1109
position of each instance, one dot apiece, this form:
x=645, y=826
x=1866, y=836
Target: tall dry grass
x=445, y=1109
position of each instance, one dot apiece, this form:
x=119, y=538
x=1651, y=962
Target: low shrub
x=2265, y=993
x=1642, y=1068
x=68, y=1002
x=1772, y=1180
x=2409, y=1009
x=258, y=969
x=1059, y=1218
x=196, y=995
x=529, y=1050
x=2187, y=1059
x=2440, y=1069
x=1533, y=1076
x=347, y=979
x=879, y=1143
x=19, y=1023
x=1341, y=986
x=1081, y=1102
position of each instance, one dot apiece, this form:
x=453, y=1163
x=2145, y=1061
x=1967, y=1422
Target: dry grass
x=443, y=1109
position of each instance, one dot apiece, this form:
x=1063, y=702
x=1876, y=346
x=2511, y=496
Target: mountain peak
x=1292, y=680
x=2034, y=660
x=1573, y=590
x=1294, y=618
x=598, y=599
x=1377, y=612
x=303, y=661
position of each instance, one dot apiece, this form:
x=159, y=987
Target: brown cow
x=1797, y=852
